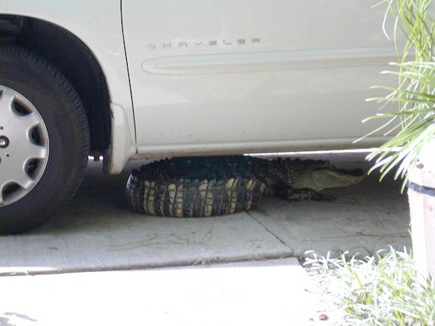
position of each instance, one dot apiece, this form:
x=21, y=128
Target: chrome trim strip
x=268, y=61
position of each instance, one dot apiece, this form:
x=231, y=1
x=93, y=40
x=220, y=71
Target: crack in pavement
x=249, y=213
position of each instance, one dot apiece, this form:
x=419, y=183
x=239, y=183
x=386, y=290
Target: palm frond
x=414, y=120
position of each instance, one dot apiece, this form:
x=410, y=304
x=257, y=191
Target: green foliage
x=377, y=290
x=413, y=121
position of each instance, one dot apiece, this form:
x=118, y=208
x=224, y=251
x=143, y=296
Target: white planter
x=421, y=192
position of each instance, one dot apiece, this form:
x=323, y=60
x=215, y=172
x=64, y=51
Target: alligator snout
x=325, y=178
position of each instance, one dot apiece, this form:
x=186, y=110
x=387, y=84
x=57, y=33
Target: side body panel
x=98, y=25
x=232, y=75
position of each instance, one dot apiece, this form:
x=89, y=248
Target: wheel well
x=77, y=63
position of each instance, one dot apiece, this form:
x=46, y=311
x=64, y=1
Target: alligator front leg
x=291, y=194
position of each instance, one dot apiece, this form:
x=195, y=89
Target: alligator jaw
x=325, y=179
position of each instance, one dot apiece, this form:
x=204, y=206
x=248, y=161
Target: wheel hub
x=4, y=141
x=24, y=146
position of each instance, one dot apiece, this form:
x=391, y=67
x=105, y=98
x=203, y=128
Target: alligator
x=209, y=186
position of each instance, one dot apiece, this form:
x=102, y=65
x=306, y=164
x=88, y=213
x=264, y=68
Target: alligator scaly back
x=194, y=187
x=208, y=186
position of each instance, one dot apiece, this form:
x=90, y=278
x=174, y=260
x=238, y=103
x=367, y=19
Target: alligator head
x=325, y=176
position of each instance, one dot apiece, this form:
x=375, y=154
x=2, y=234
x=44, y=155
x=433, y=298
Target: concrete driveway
x=98, y=233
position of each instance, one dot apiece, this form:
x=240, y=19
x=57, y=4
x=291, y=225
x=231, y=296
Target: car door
x=238, y=75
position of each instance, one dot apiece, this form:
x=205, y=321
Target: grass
x=382, y=289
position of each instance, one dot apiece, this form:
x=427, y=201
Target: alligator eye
x=357, y=172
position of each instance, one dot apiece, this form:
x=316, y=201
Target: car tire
x=44, y=140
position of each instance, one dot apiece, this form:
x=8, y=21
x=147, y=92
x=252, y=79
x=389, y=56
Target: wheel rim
x=24, y=147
